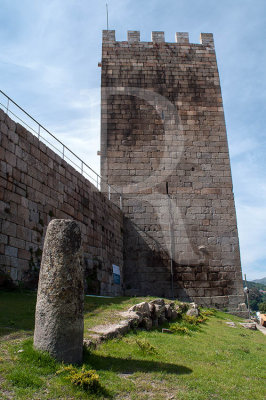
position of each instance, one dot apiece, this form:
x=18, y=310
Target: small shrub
x=86, y=379
x=181, y=330
x=190, y=319
x=183, y=307
x=201, y=319
x=207, y=313
x=146, y=347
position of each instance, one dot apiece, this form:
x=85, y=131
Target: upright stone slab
x=59, y=309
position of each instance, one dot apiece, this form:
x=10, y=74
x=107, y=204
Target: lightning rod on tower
x=107, y=22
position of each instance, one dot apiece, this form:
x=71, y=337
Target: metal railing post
x=63, y=152
x=39, y=131
x=7, y=108
x=120, y=201
x=82, y=167
x=109, y=192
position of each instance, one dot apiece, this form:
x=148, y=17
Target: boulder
x=231, y=324
x=183, y=307
x=141, y=308
x=147, y=323
x=159, y=302
x=168, y=312
x=159, y=310
x=174, y=315
x=162, y=319
x=152, y=311
x=133, y=317
x=155, y=323
x=249, y=325
x=193, y=310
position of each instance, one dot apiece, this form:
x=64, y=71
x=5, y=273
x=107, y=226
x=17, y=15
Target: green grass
x=212, y=362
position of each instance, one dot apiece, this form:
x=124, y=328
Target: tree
x=262, y=307
x=255, y=297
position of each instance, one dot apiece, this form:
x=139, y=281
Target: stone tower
x=164, y=146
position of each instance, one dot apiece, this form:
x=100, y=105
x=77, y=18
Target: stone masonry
x=36, y=185
x=164, y=146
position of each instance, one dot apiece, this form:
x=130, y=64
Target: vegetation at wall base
x=210, y=361
x=257, y=294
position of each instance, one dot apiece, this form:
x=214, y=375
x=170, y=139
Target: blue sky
x=48, y=65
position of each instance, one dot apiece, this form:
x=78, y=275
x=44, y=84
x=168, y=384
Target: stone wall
x=36, y=186
x=164, y=145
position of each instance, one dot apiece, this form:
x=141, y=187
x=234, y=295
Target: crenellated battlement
x=206, y=39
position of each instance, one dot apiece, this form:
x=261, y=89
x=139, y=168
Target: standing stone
x=60, y=301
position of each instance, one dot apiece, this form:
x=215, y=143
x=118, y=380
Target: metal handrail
x=98, y=179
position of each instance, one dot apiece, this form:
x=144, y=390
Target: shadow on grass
x=93, y=303
x=17, y=309
x=122, y=365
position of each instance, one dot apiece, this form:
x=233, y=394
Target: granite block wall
x=164, y=145
x=37, y=185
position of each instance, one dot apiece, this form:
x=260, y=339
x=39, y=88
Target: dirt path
x=261, y=328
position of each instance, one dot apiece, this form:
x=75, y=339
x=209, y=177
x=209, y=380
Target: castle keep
x=164, y=146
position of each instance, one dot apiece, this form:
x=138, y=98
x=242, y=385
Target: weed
x=207, y=313
x=86, y=379
x=190, y=319
x=201, y=319
x=181, y=330
x=146, y=347
x=183, y=307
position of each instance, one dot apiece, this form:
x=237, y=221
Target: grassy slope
x=214, y=362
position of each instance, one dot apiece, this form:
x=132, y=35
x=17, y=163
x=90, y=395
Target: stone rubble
x=231, y=324
x=249, y=325
x=143, y=315
x=193, y=311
